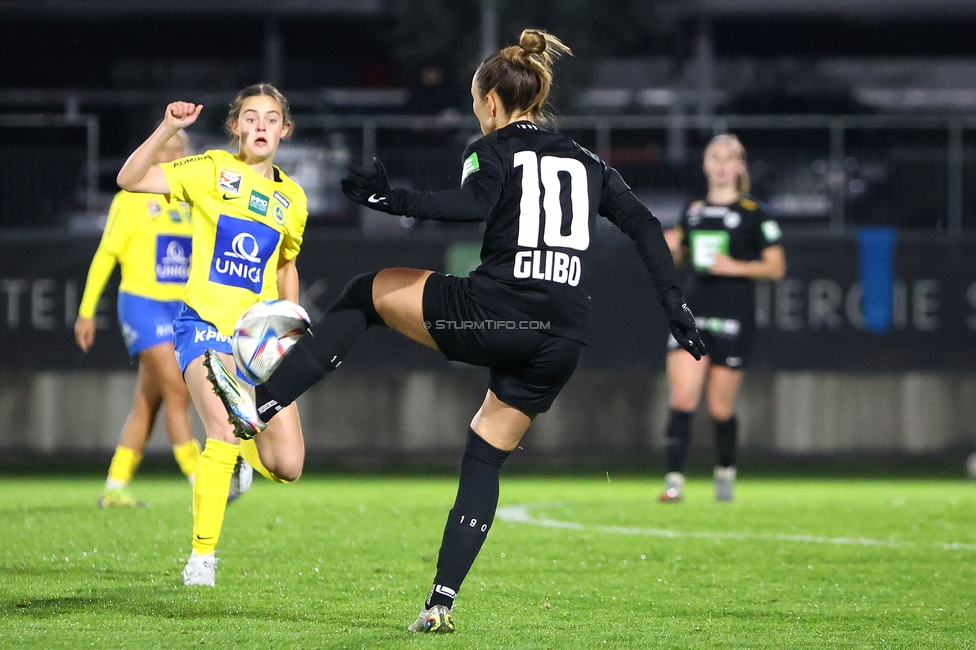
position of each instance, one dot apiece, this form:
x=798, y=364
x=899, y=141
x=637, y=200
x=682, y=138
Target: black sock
x=677, y=440
x=470, y=518
x=726, y=434
x=321, y=349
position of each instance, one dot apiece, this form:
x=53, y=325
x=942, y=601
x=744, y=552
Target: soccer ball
x=263, y=335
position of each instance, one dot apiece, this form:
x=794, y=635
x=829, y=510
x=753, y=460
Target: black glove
x=369, y=188
x=682, y=323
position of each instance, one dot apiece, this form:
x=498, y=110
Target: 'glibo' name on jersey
x=548, y=265
x=242, y=249
x=543, y=187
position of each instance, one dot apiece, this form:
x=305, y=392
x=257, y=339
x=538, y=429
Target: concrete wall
x=357, y=416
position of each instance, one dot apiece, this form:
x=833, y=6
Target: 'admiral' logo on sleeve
x=242, y=249
x=187, y=161
x=282, y=200
x=229, y=181
x=154, y=208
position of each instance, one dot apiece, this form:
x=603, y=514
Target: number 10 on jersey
x=548, y=264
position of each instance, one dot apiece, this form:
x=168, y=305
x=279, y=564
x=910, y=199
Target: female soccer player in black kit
x=522, y=313
x=729, y=242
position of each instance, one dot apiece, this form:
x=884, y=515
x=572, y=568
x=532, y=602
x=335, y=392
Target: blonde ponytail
x=521, y=74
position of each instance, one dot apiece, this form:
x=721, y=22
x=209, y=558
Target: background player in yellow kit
x=248, y=221
x=149, y=236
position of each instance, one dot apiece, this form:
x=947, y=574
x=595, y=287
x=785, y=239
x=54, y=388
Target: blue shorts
x=146, y=322
x=192, y=336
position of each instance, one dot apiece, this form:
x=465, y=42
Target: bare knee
x=685, y=402
x=499, y=424
x=146, y=404
x=721, y=411
x=281, y=447
x=686, y=379
x=289, y=474
x=721, y=404
x=148, y=396
x=175, y=393
x=286, y=470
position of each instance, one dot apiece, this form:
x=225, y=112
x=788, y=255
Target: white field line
x=519, y=514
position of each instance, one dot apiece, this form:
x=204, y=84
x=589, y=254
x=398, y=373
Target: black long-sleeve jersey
x=538, y=193
x=742, y=231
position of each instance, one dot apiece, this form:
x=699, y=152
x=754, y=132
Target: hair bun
x=532, y=41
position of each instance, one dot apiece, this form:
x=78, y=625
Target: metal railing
x=827, y=171
x=902, y=170
x=38, y=179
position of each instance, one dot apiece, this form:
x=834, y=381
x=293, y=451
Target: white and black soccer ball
x=264, y=334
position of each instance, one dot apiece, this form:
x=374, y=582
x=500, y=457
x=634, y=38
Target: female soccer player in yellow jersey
x=248, y=220
x=149, y=236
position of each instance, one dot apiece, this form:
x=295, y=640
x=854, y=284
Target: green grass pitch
x=572, y=562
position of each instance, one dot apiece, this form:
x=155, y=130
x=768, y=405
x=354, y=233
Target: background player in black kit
x=728, y=243
x=522, y=313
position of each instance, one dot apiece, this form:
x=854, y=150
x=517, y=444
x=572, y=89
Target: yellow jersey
x=149, y=236
x=243, y=224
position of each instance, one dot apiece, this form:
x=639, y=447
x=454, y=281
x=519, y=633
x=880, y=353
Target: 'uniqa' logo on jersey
x=241, y=250
x=172, y=258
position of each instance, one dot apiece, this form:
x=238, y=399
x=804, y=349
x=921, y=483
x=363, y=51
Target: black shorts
x=527, y=367
x=728, y=341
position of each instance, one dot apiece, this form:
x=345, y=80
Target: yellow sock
x=249, y=450
x=210, y=490
x=124, y=464
x=187, y=456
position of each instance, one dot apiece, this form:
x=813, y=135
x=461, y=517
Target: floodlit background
x=856, y=114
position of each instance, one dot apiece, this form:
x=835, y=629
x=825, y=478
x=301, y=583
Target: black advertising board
x=808, y=321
